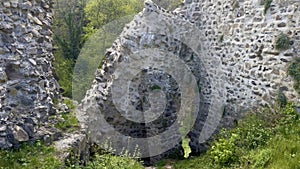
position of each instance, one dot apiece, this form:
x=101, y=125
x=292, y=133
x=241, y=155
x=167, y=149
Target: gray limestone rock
x=26, y=79
x=20, y=134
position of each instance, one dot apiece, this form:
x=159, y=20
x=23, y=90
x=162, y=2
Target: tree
x=101, y=12
x=68, y=31
x=68, y=27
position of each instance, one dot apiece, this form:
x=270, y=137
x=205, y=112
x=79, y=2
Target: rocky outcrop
x=27, y=86
x=228, y=47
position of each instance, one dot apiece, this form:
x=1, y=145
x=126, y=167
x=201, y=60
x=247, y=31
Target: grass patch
x=282, y=42
x=69, y=121
x=28, y=156
x=110, y=161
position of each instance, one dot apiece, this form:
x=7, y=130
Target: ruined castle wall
x=228, y=44
x=242, y=37
x=27, y=85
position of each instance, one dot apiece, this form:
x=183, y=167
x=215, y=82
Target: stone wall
x=229, y=47
x=242, y=38
x=27, y=86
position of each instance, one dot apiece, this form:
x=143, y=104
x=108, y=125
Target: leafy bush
x=282, y=42
x=223, y=151
x=267, y=5
x=294, y=71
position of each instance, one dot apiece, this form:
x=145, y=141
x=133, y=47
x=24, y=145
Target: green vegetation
x=69, y=121
x=224, y=150
x=113, y=162
x=267, y=139
x=281, y=99
x=294, y=71
x=43, y=156
x=155, y=87
x=221, y=38
x=264, y=140
x=103, y=159
x=282, y=42
x=28, y=156
x=68, y=31
x=64, y=69
x=267, y=5
x=186, y=147
x=101, y=12
x=169, y=4
x=75, y=22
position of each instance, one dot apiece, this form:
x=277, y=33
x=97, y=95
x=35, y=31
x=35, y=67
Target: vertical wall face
x=242, y=37
x=27, y=85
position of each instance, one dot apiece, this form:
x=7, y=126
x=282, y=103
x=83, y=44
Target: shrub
x=223, y=150
x=282, y=42
x=290, y=116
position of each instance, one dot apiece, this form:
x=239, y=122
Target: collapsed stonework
x=229, y=47
x=27, y=86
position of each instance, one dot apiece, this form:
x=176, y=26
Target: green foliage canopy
x=101, y=12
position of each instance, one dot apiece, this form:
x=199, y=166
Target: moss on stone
x=294, y=71
x=282, y=42
x=267, y=5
